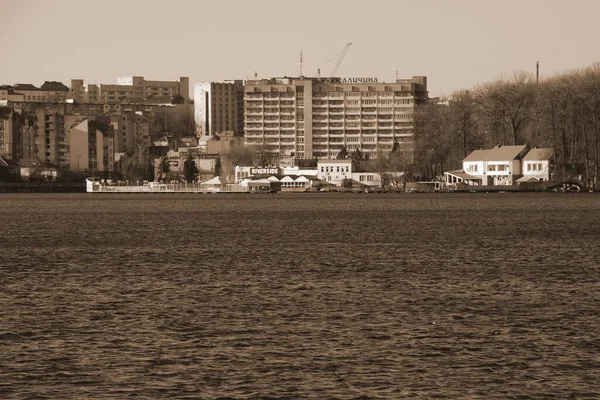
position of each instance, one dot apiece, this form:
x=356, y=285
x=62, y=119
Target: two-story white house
x=502, y=165
x=536, y=165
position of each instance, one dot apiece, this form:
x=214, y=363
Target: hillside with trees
x=561, y=112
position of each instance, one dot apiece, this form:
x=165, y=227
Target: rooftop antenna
x=301, y=63
x=255, y=75
x=396, y=74
x=319, y=73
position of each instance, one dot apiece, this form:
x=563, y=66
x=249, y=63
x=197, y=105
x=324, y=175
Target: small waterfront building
x=334, y=171
x=338, y=172
x=215, y=184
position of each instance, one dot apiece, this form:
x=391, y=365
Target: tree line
x=561, y=112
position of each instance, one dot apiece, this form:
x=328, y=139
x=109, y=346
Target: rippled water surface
x=323, y=296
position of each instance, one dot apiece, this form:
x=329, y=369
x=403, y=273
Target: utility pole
x=537, y=72
x=79, y=155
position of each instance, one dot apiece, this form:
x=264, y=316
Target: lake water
x=323, y=296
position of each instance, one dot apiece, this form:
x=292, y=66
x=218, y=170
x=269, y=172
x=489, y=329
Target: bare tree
x=432, y=138
x=177, y=120
x=509, y=102
x=240, y=156
x=463, y=115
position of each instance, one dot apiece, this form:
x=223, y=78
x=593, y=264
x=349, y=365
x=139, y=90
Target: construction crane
x=339, y=61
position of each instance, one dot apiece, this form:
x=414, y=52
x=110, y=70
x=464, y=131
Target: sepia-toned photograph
x=269, y=199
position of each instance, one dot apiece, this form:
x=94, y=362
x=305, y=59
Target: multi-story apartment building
x=219, y=107
x=41, y=133
x=129, y=88
x=7, y=133
x=91, y=143
x=132, y=130
x=81, y=93
x=52, y=142
x=7, y=93
x=19, y=138
x=314, y=117
x=50, y=91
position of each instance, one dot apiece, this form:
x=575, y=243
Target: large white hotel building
x=316, y=117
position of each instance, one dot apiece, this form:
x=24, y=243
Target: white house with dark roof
x=536, y=165
x=503, y=165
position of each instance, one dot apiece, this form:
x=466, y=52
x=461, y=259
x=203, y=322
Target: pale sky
x=455, y=43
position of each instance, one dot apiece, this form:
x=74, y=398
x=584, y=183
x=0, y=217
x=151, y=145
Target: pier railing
x=167, y=188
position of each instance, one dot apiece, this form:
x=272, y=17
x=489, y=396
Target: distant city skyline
x=456, y=44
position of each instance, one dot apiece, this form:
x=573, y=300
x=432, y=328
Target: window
x=472, y=168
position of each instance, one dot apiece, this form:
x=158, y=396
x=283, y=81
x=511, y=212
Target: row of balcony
x=276, y=128
x=289, y=134
x=358, y=135
x=270, y=114
x=393, y=107
x=355, y=128
x=257, y=120
x=318, y=112
x=334, y=131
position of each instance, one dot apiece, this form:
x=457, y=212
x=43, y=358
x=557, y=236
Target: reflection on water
x=299, y=296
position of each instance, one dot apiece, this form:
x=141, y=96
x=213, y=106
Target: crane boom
x=339, y=61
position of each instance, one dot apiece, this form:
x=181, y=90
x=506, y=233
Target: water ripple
x=300, y=296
